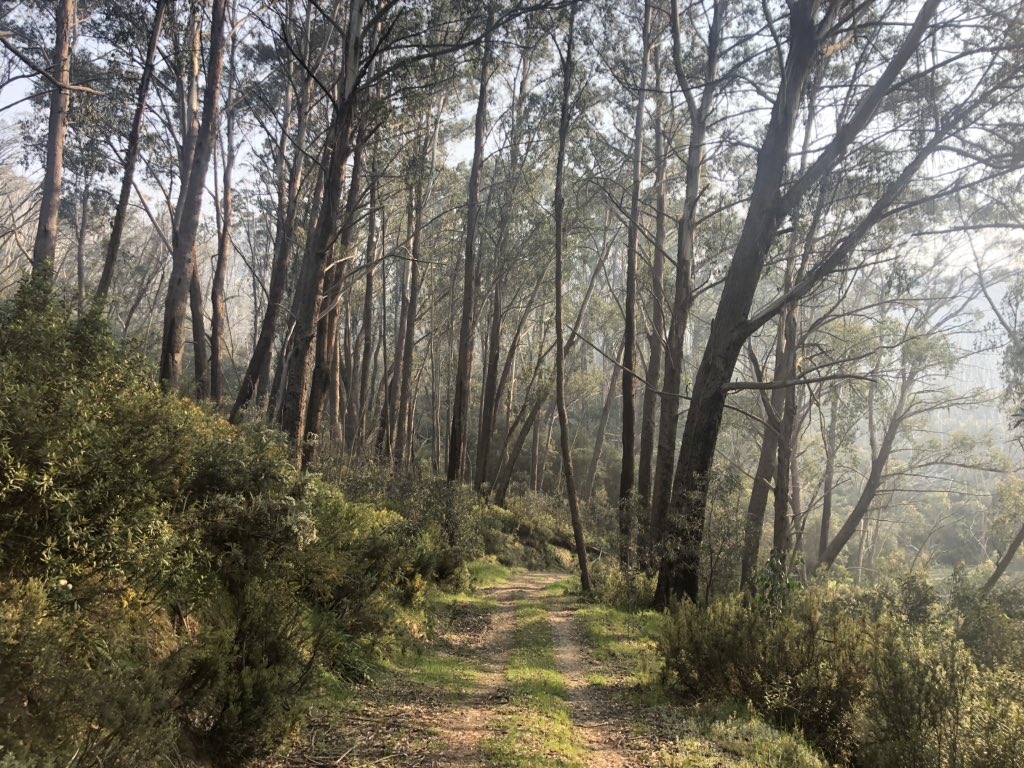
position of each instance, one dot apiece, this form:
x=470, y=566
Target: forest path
x=513, y=681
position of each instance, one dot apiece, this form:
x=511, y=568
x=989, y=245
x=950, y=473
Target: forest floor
x=524, y=674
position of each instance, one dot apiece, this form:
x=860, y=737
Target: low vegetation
x=888, y=676
x=169, y=584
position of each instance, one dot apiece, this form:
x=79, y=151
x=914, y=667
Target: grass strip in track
x=538, y=731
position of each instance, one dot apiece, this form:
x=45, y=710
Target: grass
x=488, y=572
x=625, y=645
x=707, y=734
x=625, y=641
x=538, y=731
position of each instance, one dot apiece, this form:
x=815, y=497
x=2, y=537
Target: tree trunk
x=1004, y=562
x=782, y=529
x=361, y=406
x=326, y=353
x=218, y=301
x=190, y=208
x=489, y=404
x=200, y=353
x=337, y=149
x=602, y=427
x=874, y=478
x=730, y=328
x=83, y=228
x=563, y=418
x=670, y=404
x=463, y=370
x=828, y=481
x=255, y=381
x=131, y=154
x=405, y=397
x=627, y=475
x=45, y=248
x=656, y=338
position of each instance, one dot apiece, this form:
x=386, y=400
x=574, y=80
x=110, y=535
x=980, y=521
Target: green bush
x=877, y=678
x=169, y=584
x=631, y=590
x=803, y=667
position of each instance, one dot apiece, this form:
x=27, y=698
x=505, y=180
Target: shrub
x=630, y=590
x=879, y=678
x=803, y=667
x=170, y=584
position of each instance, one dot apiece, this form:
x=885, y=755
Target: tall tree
x=568, y=70
x=306, y=300
x=190, y=208
x=45, y=248
x=464, y=367
x=131, y=157
x=627, y=476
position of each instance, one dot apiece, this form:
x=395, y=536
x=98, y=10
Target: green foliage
x=627, y=590
x=170, y=584
x=802, y=667
x=874, y=678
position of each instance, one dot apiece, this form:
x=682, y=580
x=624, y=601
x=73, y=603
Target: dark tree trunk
x=404, y=440
x=325, y=356
x=568, y=65
x=671, y=403
x=678, y=576
x=131, y=154
x=218, y=300
x=255, y=381
x=627, y=476
x=828, y=481
x=200, y=352
x=188, y=212
x=83, y=228
x=361, y=407
x=45, y=248
x=463, y=370
x=337, y=149
x=731, y=327
x=656, y=338
x=602, y=427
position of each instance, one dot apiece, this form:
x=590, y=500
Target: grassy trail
x=524, y=675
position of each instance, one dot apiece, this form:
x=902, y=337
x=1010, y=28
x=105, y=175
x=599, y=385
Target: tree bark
x=182, y=267
x=656, y=338
x=828, y=481
x=337, y=149
x=405, y=398
x=627, y=476
x=131, y=154
x=670, y=401
x=768, y=207
x=45, y=248
x=255, y=381
x=464, y=366
x=325, y=356
x=200, y=353
x=218, y=301
x=602, y=427
x=568, y=67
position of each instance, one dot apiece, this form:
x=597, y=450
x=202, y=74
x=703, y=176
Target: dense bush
x=628, y=590
x=169, y=584
x=874, y=678
x=532, y=531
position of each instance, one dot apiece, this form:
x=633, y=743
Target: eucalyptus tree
x=971, y=77
x=196, y=151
